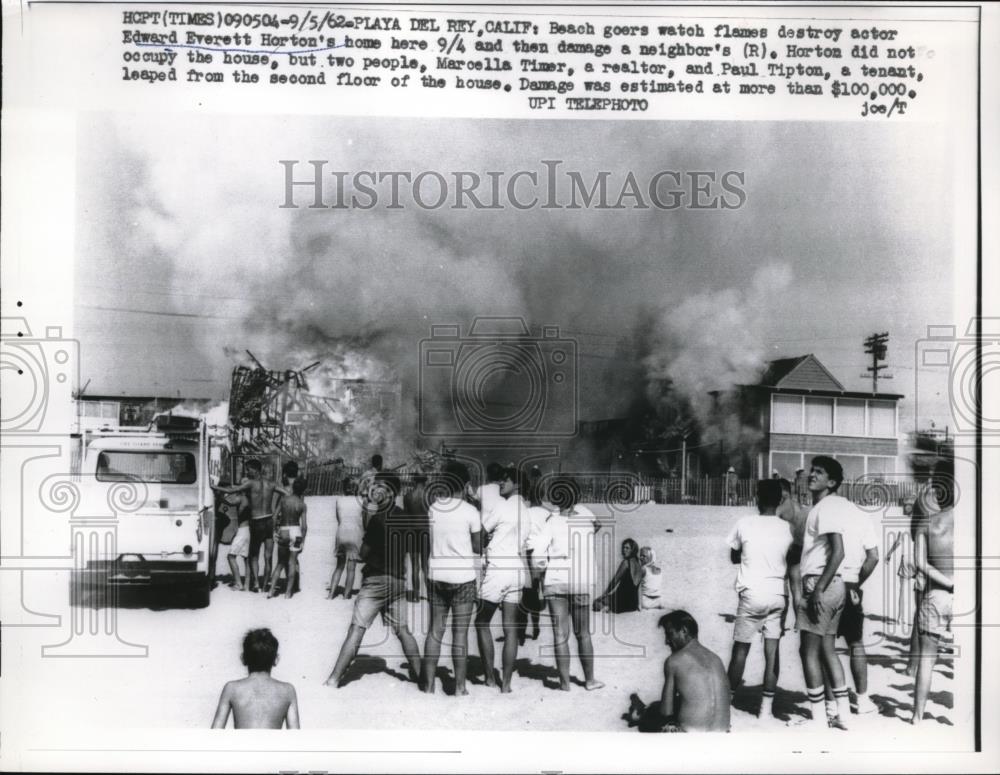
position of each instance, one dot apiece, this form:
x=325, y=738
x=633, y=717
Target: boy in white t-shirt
x=455, y=546
x=760, y=545
x=823, y=592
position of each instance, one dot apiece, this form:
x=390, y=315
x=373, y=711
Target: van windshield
x=154, y=467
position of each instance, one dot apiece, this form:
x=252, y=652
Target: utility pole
x=876, y=346
x=684, y=461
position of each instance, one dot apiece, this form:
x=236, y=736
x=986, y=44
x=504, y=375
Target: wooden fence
x=633, y=489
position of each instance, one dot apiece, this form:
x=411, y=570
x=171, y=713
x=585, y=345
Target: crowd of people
x=258, y=514
x=822, y=557
x=507, y=545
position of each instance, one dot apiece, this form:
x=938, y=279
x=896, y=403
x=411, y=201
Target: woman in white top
x=564, y=548
x=651, y=584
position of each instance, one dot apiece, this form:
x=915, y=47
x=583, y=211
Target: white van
x=156, y=484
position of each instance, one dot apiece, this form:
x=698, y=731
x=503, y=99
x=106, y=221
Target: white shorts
x=756, y=613
x=241, y=542
x=287, y=536
x=500, y=585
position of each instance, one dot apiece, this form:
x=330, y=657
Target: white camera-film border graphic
x=970, y=365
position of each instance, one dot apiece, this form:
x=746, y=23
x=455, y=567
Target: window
x=850, y=417
x=105, y=409
x=786, y=414
x=157, y=467
x=819, y=415
x=882, y=419
x=881, y=465
x=785, y=463
x=853, y=465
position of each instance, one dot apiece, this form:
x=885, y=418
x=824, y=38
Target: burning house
x=275, y=413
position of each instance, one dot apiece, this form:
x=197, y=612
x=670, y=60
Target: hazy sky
x=845, y=231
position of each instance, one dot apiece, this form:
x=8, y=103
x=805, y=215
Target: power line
x=172, y=292
x=157, y=312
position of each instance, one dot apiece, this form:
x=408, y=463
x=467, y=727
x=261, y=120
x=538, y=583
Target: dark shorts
x=221, y=523
x=446, y=596
x=261, y=530
x=530, y=601
x=381, y=594
x=852, y=619
x=653, y=721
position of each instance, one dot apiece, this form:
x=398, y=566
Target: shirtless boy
x=695, y=688
x=935, y=561
x=261, y=494
x=290, y=535
x=240, y=546
x=258, y=701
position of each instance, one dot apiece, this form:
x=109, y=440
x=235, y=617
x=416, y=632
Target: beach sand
x=192, y=652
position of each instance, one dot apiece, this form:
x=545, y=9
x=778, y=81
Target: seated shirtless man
x=695, y=687
x=258, y=701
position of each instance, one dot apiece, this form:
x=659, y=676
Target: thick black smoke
x=359, y=289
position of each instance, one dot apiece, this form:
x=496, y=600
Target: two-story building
x=802, y=410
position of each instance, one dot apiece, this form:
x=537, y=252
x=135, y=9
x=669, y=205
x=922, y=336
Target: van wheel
x=200, y=595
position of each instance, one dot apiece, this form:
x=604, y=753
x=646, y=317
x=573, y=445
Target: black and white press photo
x=497, y=388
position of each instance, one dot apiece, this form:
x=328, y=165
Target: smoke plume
x=358, y=290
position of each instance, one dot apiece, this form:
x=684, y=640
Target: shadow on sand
x=368, y=665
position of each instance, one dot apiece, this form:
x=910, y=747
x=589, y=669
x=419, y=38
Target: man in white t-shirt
x=487, y=496
x=860, y=559
x=823, y=592
x=455, y=546
x=507, y=527
x=760, y=545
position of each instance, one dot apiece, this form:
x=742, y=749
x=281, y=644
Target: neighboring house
x=802, y=410
x=97, y=412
